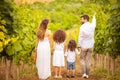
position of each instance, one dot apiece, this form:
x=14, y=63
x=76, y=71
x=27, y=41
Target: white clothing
x=86, y=36
x=58, y=56
x=71, y=55
x=43, y=59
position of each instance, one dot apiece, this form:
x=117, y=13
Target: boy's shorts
x=70, y=65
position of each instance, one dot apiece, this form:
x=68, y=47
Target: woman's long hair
x=72, y=45
x=42, y=29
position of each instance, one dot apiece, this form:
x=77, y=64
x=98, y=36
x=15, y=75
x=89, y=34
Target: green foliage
x=18, y=24
x=2, y=34
x=100, y=32
x=113, y=43
x=5, y=24
x=5, y=14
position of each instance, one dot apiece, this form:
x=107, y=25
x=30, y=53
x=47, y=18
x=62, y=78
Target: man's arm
x=79, y=40
x=94, y=21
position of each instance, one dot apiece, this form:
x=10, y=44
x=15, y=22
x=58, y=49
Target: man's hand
x=94, y=14
x=79, y=49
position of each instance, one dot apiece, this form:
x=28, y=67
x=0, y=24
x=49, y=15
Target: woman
x=43, y=50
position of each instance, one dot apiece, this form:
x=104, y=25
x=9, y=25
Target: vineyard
x=19, y=22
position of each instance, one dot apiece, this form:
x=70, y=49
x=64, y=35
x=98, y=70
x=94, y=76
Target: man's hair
x=85, y=17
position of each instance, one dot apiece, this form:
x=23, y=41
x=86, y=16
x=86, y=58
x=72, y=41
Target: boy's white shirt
x=71, y=55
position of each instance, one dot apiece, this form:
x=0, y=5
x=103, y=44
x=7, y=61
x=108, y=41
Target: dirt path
x=78, y=74
x=32, y=75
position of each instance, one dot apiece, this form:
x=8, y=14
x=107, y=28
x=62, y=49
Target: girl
x=58, y=56
x=71, y=55
x=43, y=50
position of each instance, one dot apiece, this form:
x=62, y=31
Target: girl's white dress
x=43, y=59
x=58, y=56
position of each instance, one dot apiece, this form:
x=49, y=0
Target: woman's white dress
x=43, y=59
x=58, y=56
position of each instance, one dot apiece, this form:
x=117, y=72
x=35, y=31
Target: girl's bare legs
x=56, y=71
x=68, y=73
x=73, y=72
x=60, y=72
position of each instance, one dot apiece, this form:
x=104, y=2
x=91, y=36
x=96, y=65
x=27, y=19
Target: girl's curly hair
x=59, y=36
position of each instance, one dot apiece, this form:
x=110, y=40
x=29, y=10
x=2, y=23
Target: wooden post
x=113, y=66
x=100, y=59
x=22, y=66
x=12, y=69
x=103, y=61
x=17, y=72
x=2, y=62
x=95, y=61
x=6, y=69
x=109, y=63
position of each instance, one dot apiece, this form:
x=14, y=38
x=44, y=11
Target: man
x=86, y=43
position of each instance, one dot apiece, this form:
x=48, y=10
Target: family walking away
x=62, y=55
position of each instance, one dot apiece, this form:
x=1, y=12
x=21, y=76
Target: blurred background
x=20, y=19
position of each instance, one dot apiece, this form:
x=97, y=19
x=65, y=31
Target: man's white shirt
x=86, y=35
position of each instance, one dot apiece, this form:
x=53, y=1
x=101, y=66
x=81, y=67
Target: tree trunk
x=6, y=69
x=113, y=66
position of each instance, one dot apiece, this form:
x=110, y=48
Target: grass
x=99, y=72
x=116, y=76
x=102, y=73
